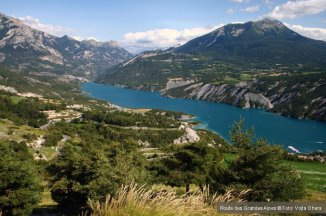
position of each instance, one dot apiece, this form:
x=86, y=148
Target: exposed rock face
x=27, y=49
x=257, y=98
x=250, y=94
x=205, y=91
x=226, y=94
x=2, y=57
x=189, y=137
x=178, y=82
x=8, y=89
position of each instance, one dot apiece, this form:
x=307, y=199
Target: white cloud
x=162, y=38
x=294, y=9
x=230, y=11
x=240, y=1
x=56, y=30
x=251, y=9
x=314, y=33
x=79, y=38
x=93, y=38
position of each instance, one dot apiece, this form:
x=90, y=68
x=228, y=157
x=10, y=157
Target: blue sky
x=160, y=23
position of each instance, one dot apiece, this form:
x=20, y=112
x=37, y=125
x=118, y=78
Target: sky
x=149, y=24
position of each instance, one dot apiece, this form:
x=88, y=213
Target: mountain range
x=254, y=64
x=26, y=49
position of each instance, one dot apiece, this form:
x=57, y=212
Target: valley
x=87, y=128
x=238, y=69
x=152, y=130
x=303, y=135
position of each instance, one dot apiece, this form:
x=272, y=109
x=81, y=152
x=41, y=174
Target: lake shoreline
x=229, y=104
x=305, y=135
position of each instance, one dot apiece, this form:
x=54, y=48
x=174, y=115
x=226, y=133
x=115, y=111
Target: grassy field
x=48, y=152
x=245, y=77
x=12, y=131
x=229, y=156
x=16, y=99
x=314, y=174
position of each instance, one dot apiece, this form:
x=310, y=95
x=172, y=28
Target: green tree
x=52, y=138
x=259, y=166
x=80, y=173
x=20, y=187
x=129, y=164
x=189, y=164
x=92, y=171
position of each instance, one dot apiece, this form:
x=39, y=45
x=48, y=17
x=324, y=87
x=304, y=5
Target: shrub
x=52, y=138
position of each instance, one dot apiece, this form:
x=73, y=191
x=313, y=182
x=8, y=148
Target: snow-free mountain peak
x=257, y=41
x=31, y=50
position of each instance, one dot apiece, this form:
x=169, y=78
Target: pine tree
x=259, y=166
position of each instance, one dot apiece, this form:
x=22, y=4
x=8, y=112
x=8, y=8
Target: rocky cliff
x=293, y=99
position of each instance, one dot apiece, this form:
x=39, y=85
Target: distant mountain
x=27, y=49
x=265, y=45
x=255, y=64
x=266, y=40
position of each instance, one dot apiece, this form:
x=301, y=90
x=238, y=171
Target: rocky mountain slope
x=27, y=49
x=299, y=96
x=255, y=64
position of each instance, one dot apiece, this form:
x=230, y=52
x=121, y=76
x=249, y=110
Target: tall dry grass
x=136, y=200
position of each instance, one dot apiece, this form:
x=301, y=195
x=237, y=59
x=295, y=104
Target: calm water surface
x=304, y=135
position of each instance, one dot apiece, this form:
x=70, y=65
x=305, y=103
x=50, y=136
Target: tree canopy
x=20, y=186
x=188, y=164
x=259, y=166
x=93, y=170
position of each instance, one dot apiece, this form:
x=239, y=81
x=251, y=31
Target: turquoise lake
x=304, y=135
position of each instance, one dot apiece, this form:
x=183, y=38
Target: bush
x=52, y=138
x=30, y=136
